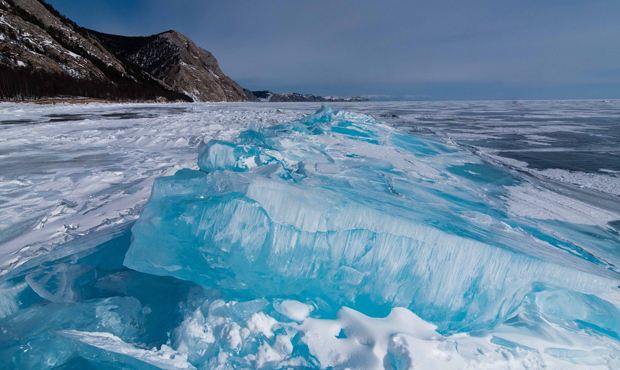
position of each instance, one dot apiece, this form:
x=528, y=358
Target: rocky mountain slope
x=178, y=62
x=44, y=54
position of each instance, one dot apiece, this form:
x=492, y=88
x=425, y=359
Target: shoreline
x=53, y=101
x=87, y=100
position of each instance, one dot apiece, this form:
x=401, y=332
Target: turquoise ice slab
x=29, y=340
x=341, y=208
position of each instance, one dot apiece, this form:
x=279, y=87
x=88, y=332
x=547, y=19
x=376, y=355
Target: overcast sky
x=433, y=49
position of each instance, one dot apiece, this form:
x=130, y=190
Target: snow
x=609, y=182
x=401, y=339
x=5, y=22
x=529, y=201
x=264, y=237
x=194, y=94
x=294, y=310
x=164, y=358
x=73, y=55
x=214, y=75
x=266, y=99
x=70, y=71
x=101, y=159
x=261, y=323
x=345, y=206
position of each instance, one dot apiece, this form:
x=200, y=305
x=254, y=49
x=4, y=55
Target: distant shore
x=87, y=100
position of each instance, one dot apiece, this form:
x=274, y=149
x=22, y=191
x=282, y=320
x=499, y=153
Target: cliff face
x=43, y=54
x=178, y=62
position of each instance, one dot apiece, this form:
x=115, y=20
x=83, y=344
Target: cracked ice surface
x=357, y=213
x=352, y=212
x=330, y=241
x=71, y=170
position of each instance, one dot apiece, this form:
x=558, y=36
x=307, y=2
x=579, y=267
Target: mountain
x=176, y=61
x=44, y=54
x=270, y=96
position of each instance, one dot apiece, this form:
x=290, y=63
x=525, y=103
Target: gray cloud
x=440, y=49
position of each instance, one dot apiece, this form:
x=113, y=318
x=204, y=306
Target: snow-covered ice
x=276, y=238
x=71, y=170
x=370, y=211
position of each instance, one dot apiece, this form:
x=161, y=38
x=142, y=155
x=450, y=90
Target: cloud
x=364, y=46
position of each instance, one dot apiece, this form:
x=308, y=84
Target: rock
x=44, y=54
x=178, y=62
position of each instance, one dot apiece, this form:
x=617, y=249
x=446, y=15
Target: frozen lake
x=67, y=170
x=522, y=198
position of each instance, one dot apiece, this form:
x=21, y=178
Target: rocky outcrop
x=43, y=54
x=46, y=55
x=178, y=62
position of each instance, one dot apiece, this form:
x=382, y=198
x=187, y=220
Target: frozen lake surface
x=387, y=235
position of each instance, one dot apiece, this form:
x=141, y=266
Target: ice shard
x=29, y=339
x=342, y=208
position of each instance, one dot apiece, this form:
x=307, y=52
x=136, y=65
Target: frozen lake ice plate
x=327, y=241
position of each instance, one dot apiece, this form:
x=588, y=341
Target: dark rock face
x=178, y=63
x=44, y=54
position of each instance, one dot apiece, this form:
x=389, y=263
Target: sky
x=439, y=49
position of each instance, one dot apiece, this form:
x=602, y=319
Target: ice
x=102, y=158
x=554, y=206
x=115, y=352
x=608, y=181
x=8, y=298
x=222, y=155
x=330, y=241
x=237, y=334
x=341, y=207
x=222, y=334
x=30, y=337
x=294, y=310
x=70, y=170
